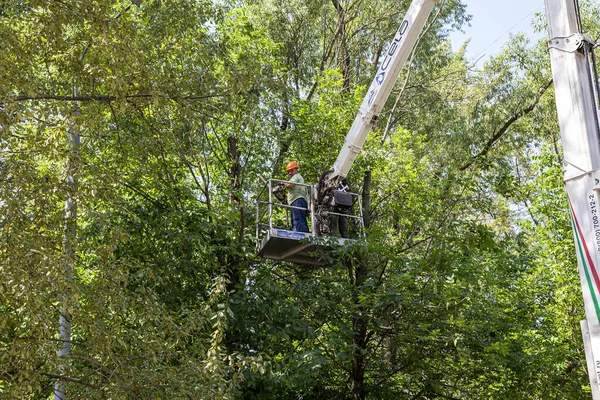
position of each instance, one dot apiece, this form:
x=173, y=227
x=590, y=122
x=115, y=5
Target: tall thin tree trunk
x=359, y=340
x=359, y=321
x=232, y=261
x=344, y=52
x=69, y=252
x=285, y=140
x=235, y=181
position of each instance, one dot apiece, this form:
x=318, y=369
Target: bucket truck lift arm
x=283, y=244
x=394, y=59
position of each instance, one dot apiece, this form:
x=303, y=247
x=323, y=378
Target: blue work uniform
x=297, y=198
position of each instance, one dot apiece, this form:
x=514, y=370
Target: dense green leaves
x=465, y=287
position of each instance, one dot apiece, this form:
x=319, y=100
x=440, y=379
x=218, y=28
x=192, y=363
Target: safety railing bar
x=340, y=214
x=268, y=226
x=294, y=207
x=274, y=226
x=270, y=204
x=285, y=206
x=266, y=202
x=278, y=181
x=283, y=181
x=277, y=227
x=362, y=219
x=313, y=225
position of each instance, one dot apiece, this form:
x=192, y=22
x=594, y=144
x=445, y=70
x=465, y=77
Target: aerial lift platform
x=276, y=239
x=283, y=244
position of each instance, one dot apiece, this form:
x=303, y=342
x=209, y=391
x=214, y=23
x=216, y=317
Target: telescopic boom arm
x=394, y=59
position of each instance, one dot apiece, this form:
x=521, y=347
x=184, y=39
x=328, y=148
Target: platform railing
x=271, y=207
x=266, y=205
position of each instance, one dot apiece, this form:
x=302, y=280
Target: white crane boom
x=578, y=120
x=394, y=59
x=392, y=63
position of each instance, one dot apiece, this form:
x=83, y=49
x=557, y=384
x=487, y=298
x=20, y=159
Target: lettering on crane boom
x=595, y=219
x=386, y=61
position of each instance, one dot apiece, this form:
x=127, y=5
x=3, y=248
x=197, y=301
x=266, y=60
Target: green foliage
x=464, y=287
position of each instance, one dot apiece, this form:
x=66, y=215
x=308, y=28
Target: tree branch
x=70, y=379
x=107, y=98
x=498, y=134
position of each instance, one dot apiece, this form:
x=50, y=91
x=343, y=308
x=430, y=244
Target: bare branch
x=70, y=379
x=108, y=98
x=498, y=134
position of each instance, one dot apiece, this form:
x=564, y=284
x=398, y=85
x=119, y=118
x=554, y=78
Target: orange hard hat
x=291, y=165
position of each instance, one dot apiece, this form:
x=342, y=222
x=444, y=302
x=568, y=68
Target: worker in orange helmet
x=297, y=198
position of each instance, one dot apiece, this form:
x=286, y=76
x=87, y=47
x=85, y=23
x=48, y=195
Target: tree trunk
x=344, y=53
x=285, y=141
x=359, y=321
x=235, y=185
x=69, y=253
x=359, y=326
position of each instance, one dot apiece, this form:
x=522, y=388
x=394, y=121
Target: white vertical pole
x=257, y=216
x=361, y=221
x=574, y=96
x=312, y=196
x=578, y=121
x=590, y=362
x=270, y=206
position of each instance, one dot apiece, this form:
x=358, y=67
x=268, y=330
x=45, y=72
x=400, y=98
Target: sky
x=493, y=22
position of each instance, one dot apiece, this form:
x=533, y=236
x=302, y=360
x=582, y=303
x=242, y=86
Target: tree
x=462, y=289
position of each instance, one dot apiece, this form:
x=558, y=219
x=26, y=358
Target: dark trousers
x=338, y=224
x=299, y=216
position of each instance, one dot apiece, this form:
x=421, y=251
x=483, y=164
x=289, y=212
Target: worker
x=343, y=205
x=297, y=197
